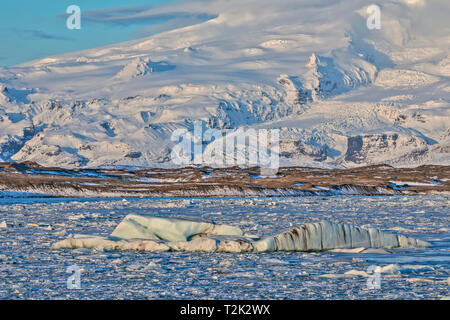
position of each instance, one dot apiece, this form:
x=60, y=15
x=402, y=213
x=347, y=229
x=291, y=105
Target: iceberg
x=149, y=233
x=155, y=228
x=324, y=236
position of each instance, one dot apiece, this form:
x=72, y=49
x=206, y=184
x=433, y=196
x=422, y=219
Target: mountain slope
x=341, y=94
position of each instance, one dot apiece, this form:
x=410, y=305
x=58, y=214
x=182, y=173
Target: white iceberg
x=390, y=269
x=323, y=236
x=154, y=228
x=148, y=233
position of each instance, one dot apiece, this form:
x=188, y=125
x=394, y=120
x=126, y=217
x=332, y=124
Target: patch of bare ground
x=235, y=181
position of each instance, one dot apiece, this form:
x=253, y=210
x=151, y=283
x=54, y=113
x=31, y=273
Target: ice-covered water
x=30, y=268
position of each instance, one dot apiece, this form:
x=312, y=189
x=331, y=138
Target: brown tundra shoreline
x=36, y=180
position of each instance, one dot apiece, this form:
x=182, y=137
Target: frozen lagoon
x=30, y=268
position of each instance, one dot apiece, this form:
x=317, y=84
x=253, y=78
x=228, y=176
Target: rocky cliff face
x=381, y=147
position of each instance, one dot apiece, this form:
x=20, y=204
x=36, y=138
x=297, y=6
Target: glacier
x=146, y=233
x=342, y=95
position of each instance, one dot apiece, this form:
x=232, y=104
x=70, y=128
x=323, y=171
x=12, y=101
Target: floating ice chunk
x=3, y=225
x=419, y=280
x=275, y=261
x=324, y=235
x=354, y=250
x=102, y=243
x=147, y=233
x=404, y=269
x=230, y=245
x=235, y=245
x=265, y=245
x=200, y=244
x=377, y=251
x=357, y=273
x=154, y=228
x=390, y=269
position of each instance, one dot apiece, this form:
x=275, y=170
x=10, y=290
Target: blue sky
x=32, y=29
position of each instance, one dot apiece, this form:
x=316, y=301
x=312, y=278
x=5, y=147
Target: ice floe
x=390, y=269
x=149, y=233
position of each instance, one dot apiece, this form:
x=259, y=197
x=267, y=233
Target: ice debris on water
x=148, y=233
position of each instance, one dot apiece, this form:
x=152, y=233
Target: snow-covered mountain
x=341, y=94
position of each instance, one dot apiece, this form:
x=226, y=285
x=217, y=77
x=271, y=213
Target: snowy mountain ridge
x=342, y=95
